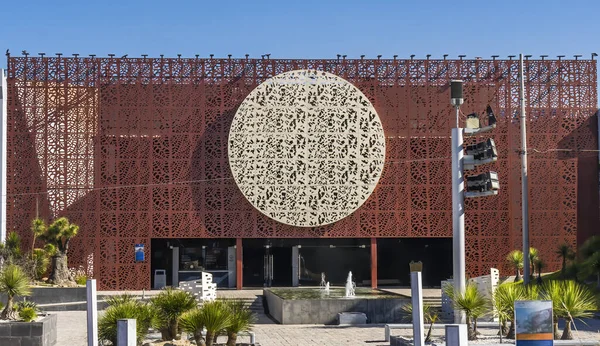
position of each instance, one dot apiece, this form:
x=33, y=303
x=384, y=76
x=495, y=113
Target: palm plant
x=242, y=320
x=192, y=322
x=59, y=233
x=539, y=264
x=170, y=305
x=473, y=303
x=13, y=246
x=216, y=318
x=533, y=256
x=429, y=316
x=564, y=252
x=552, y=291
x=120, y=299
x=515, y=258
x=500, y=311
x=576, y=301
x=13, y=282
x=38, y=228
x=504, y=301
x=144, y=314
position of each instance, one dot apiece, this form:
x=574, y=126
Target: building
x=264, y=176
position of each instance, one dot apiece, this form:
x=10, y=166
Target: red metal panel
x=136, y=148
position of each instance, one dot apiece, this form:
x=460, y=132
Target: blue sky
x=304, y=29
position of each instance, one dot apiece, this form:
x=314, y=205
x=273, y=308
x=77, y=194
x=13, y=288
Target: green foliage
x=565, y=253
x=472, y=302
x=144, y=314
x=170, y=305
x=515, y=258
x=40, y=262
x=504, y=298
x=120, y=299
x=27, y=314
x=14, y=282
x=241, y=320
x=216, y=318
x=25, y=305
x=59, y=233
x=192, y=322
x=570, y=301
x=430, y=316
x=12, y=245
x=81, y=280
x=50, y=250
x=1, y=305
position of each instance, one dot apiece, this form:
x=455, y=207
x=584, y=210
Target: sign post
x=533, y=323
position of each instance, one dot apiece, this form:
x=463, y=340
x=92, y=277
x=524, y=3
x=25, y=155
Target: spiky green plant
x=13, y=246
x=565, y=253
x=13, y=283
x=533, y=256
x=500, y=311
x=505, y=296
x=144, y=314
x=59, y=233
x=515, y=258
x=591, y=267
x=576, y=301
x=429, y=316
x=539, y=264
x=38, y=228
x=170, y=305
x=473, y=303
x=552, y=291
x=27, y=314
x=216, y=317
x=40, y=261
x=193, y=322
x=242, y=320
x=120, y=299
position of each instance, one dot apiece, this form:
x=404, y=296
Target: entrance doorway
x=266, y=265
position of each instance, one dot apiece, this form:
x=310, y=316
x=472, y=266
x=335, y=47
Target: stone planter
x=40, y=333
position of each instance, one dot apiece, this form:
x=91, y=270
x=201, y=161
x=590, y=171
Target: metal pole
x=416, y=293
x=458, y=216
x=524, y=176
x=3, y=151
x=92, y=313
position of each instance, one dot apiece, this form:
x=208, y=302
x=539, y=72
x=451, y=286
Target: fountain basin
x=313, y=306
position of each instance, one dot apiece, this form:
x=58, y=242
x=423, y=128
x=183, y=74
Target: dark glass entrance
x=395, y=254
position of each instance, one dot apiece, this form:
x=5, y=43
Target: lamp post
x=458, y=210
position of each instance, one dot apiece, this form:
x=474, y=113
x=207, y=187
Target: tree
x=576, y=301
x=515, y=258
x=552, y=291
x=170, y=305
x=242, y=320
x=13, y=282
x=216, y=318
x=193, y=322
x=59, y=234
x=539, y=264
x=473, y=303
x=38, y=228
x=505, y=297
x=564, y=252
x=533, y=256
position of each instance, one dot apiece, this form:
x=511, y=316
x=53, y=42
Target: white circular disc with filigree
x=306, y=148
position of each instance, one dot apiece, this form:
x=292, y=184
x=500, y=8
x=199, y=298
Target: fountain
x=350, y=286
x=324, y=286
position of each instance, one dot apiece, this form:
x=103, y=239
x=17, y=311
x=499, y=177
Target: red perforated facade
x=136, y=148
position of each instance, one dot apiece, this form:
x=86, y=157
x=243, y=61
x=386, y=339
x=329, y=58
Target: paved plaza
x=72, y=327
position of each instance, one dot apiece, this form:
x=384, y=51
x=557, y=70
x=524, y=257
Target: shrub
x=26, y=304
x=27, y=314
x=143, y=313
x=120, y=299
x=241, y=320
x=170, y=305
x=13, y=283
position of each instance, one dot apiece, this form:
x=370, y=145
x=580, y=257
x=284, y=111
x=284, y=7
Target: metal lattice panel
x=133, y=149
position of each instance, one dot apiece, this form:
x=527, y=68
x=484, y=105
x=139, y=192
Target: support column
x=373, y=263
x=458, y=217
x=238, y=262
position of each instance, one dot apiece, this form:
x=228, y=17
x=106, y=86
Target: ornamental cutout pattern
x=306, y=148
